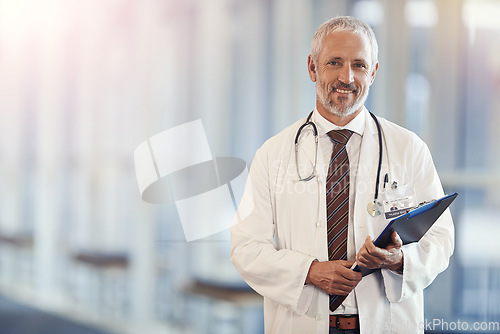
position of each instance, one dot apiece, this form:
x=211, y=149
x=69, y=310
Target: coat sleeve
x=425, y=259
x=277, y=274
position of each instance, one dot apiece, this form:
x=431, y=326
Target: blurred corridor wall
x=83, y=83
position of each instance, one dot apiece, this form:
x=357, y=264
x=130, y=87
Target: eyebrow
x=355, y=60
x=334, y=58
x=361, y=61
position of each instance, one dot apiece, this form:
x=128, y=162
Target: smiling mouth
x=344, y=88
x=343, y=91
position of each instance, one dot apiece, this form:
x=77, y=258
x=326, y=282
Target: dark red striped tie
x=337, y=202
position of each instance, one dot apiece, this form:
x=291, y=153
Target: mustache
x=341, y=85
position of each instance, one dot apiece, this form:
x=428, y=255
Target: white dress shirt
x=357, y=125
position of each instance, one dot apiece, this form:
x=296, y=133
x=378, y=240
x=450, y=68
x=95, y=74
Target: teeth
x=344, y=91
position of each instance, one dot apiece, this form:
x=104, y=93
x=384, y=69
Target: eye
x=360, y=65
x=334, y=62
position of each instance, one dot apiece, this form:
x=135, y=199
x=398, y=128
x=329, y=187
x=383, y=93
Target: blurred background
x=83, y=83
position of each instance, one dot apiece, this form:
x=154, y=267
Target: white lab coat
x=280, y=228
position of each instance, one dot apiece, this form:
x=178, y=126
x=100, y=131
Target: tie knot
x=340, y=136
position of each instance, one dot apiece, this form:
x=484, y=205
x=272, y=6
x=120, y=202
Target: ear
x=311, y=68
x=373, y=73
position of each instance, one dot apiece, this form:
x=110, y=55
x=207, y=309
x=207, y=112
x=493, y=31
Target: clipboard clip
x=421, y=204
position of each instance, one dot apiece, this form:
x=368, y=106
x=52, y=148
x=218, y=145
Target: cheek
x=323, y=84
x=363, y=83
x=328, y=81
x=328, y=76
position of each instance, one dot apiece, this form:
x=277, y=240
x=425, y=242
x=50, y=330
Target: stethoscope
x=374, y=207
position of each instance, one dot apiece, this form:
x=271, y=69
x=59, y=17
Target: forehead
x=345, y=45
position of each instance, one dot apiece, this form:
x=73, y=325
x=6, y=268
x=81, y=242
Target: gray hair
x=344, y=23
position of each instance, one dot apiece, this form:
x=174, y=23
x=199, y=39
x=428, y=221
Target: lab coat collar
x=356, y=125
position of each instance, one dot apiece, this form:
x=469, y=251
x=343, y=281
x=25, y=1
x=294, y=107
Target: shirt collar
x=357, y=124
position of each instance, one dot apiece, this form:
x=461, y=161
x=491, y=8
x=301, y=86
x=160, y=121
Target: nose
x=346, y=74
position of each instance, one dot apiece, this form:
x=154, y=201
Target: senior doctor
x=279, y=242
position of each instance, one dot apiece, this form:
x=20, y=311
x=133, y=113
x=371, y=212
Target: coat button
x=319, y=317
x=320, y=224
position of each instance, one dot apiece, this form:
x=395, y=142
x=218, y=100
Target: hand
x=333, y=277
x=372, y=257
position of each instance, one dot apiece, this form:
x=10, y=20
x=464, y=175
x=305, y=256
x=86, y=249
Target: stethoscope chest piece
x=374, y=208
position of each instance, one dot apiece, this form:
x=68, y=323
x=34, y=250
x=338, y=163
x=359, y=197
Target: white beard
x=340, y=110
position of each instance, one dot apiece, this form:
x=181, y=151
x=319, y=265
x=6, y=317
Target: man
x=282, y=241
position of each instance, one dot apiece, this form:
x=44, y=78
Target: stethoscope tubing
x=315, y=130
x=299, y=131
x=380, y=152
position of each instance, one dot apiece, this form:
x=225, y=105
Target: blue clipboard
x=412, y=225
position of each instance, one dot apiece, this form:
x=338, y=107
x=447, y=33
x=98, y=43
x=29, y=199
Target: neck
x=337, y=120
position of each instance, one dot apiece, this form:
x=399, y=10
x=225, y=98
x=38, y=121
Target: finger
x=376, y=253
x=347, y=285
x=370, y=256
x=347, y=264
x=342, y=288
x=352, y=279
x=360, y=253
x=344, y=272
x=367, y=263
x=372, y=261
x=370, y=246
x=351, y=275
x=363, y=258
x=364, y=249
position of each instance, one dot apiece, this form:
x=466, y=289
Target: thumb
x=396, y=239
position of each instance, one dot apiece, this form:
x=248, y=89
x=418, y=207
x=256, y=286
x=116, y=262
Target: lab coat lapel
x=365, y=182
